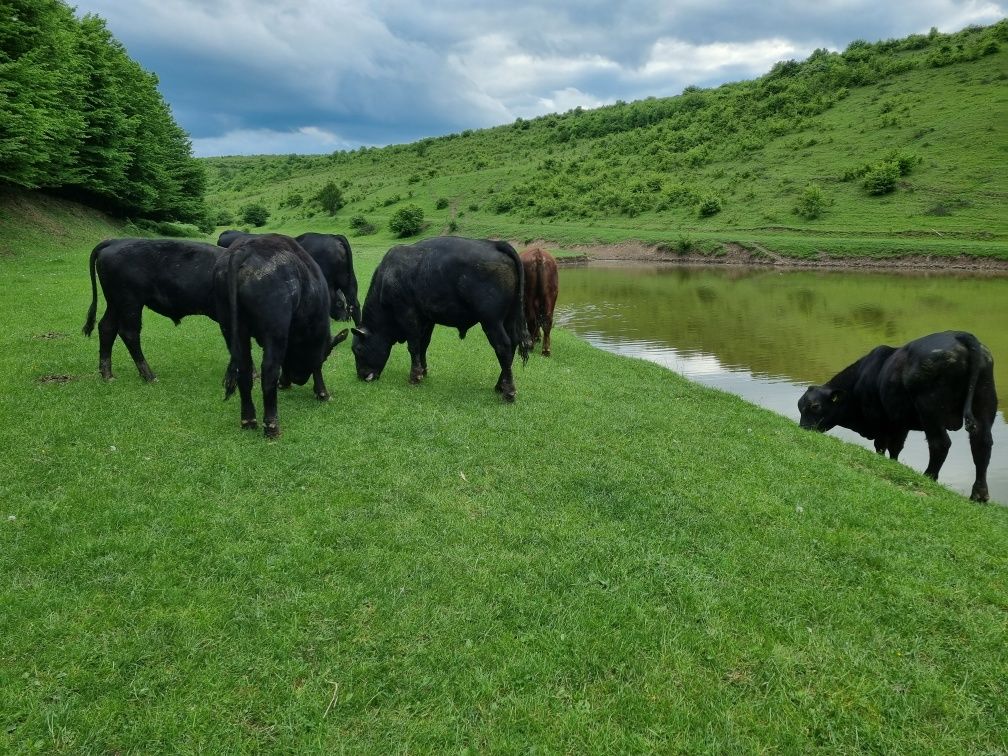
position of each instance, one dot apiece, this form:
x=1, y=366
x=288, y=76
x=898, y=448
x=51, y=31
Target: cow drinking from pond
x=171, y=277
x=268, y=288
x=540, y=293
x=450, y=281
x=933, y=384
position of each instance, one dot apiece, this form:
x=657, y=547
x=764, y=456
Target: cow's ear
x=339, y=338
x=362, y=332
x=838, y=396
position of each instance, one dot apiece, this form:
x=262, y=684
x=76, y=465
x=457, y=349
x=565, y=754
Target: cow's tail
x=541, y=295
x=977, y=361
x=92, y=312
x=516, y=325
x=234, y=346
x=354, y=306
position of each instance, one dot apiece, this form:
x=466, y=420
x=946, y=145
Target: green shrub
x=811, y=202
x=407, y=220
x=293, y=200
x=881, y=178
x=330, y=198
x=223, y=217
x=254, y=214
x=709, y=205
x=442, y=203
x=452, y=226
x=362, y=226
x=904, y=160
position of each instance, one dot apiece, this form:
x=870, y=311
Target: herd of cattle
x=283, y=291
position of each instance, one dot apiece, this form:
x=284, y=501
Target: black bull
x=174, y=278
x=934, y=384
x=274, y=292
x=449, y=281
x=333, y=255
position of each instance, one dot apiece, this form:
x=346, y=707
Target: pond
x=767, y=335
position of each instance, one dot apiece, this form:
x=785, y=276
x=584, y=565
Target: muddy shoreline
x=735, y=254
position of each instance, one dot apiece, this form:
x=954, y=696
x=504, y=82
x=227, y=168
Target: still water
x=767, y=335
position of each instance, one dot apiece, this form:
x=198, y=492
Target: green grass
x=620, y=561
x=626, y=184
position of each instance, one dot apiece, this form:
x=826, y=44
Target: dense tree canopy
x=79, y=116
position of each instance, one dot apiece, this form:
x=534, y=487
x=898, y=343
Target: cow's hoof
x=546, y=353
x=323, y=397
x=249, y=424
x=271, y=430
x=415, y=379
x=508, y=396
x=108, y=377
x=980, y=495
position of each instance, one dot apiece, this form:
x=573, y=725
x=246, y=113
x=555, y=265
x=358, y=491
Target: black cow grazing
x=933, y=384
x=333, y=254
x=171, y=277
x=269, y=288
x=448, y=281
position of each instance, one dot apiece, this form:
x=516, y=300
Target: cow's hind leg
x=981, y=438
x=505, y=351
x=896, y=442
x=547, y=349
x=130, y=324
x=108, y=328
x=245, y=370
x=269, y=376
x=938, y=447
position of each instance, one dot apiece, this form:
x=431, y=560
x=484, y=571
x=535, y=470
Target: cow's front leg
x=285, y=382
x=321, y=393
x=270, y=379
x=418, y=352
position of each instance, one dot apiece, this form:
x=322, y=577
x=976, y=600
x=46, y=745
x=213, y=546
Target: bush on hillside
x=254, y=214
x=441, y=203
x=881, y=178
x=407, y=220
x=362, y=226
x=224, y=217
x=709, y=205
x=329, y=198
x=811, y=202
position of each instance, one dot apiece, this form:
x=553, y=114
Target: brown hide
x=541, y=286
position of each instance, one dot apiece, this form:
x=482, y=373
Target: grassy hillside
x=621, y=561
x=806, y=136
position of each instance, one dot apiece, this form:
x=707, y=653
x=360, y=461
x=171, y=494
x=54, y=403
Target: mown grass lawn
x=620, y=561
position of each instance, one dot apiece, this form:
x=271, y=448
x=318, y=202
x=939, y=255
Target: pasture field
x=620, y=561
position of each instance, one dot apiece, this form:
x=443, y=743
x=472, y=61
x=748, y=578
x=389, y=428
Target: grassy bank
x=620, y=561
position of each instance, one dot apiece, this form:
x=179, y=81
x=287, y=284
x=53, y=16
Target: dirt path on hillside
x=736, y=254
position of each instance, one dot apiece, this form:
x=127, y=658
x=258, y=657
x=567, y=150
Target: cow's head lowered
x=300, y=364
x=822, y=408
x=371, y=351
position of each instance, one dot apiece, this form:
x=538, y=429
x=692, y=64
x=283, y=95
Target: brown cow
x=540, y=293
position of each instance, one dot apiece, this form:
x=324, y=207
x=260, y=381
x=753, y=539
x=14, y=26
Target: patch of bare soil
x=57, y=378
x=49, y=335
x=736, y=254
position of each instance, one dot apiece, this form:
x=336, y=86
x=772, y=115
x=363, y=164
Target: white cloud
x=305, y=140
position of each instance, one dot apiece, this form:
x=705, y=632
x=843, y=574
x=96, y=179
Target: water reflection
x=766, y=335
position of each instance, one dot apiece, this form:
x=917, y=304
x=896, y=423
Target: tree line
x=80, y=118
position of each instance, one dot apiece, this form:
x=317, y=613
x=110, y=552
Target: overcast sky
x=279, y=76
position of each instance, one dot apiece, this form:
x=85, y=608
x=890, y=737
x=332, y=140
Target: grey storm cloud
x=247, y=76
